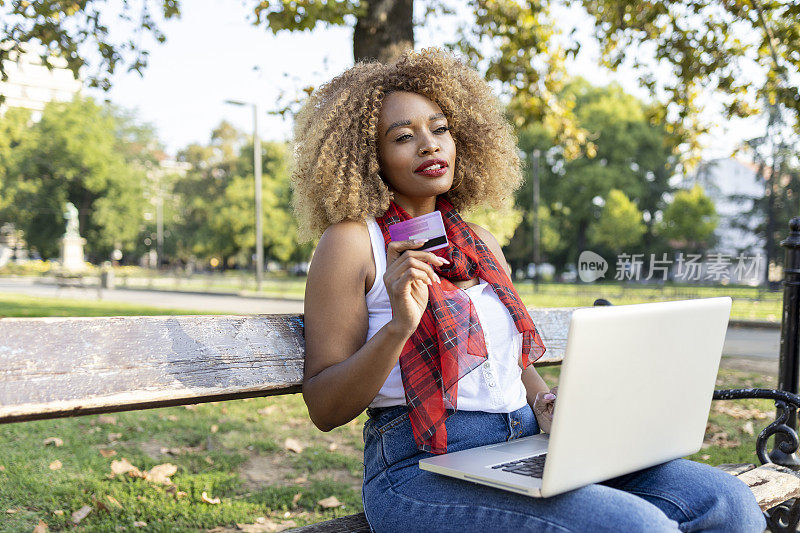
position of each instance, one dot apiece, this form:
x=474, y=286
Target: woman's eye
x=403, y=137
x=442, y=129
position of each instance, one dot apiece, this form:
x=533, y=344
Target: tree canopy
x=76, y=153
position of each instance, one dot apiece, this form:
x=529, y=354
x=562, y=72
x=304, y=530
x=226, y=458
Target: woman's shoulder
x=350, y=233
x=491, y=242
x=344, y=245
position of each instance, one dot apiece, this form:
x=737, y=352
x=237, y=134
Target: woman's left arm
x=535, y=387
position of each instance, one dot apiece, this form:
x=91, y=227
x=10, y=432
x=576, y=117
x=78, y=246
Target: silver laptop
x=635, y=391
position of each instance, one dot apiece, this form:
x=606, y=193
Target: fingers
x=396, y=248
x=400, y=257
x=544, y=402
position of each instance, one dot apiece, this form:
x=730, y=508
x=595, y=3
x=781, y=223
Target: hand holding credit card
x=429, y=227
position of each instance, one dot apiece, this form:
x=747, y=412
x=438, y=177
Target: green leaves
x=69, y=29
x=72, y=154
x=301, y=15
x=690, y=220
x=740, y=50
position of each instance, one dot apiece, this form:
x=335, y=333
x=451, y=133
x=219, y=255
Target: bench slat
x=771, y=484
x=55, y=367
x=52, y=367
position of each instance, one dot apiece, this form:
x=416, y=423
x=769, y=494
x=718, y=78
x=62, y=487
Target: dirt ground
x=758, y=366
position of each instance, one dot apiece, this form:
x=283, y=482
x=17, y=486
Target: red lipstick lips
x=440, y=167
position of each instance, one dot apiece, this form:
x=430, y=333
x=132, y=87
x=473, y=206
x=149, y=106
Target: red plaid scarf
x=449, y=343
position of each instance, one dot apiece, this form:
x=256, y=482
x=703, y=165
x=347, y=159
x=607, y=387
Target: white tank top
x=496, y=385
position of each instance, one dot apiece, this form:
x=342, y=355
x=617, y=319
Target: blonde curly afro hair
x=336, y=173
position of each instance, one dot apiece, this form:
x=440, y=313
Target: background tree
x=77, y=30
x=14, y=128
x=620, y=225
x=218, y=213
x=689, y=221
x=705, y=44
x=76, y=153
x=627, y=153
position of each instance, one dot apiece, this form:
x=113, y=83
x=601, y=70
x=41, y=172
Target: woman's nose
x=428, y=147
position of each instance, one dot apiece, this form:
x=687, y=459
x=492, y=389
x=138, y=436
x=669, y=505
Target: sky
x=213, y=54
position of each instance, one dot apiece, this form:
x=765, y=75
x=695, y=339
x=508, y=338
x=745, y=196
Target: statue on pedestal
x=71, y=216
x=72, y=242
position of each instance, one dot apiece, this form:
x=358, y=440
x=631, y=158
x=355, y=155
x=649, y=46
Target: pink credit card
x=429, y=227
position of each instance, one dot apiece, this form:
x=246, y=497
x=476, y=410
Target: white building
x=31, y=85
x=734, y=186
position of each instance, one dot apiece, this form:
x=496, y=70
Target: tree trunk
x=385, y=31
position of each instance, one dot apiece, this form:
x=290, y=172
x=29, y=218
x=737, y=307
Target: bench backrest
x=56, y=367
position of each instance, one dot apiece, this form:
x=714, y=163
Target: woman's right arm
x=343, y=371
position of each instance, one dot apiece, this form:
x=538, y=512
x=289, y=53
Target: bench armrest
x=786, y=405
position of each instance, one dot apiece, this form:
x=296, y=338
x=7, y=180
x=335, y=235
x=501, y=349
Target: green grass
x=32, y=306
x=750, y=303
x=233, y=450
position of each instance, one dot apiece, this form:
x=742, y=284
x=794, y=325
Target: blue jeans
x=399, y=496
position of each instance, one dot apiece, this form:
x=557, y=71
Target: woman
x=437, y=345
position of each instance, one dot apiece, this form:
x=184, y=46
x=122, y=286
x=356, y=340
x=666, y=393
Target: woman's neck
x=416, y=206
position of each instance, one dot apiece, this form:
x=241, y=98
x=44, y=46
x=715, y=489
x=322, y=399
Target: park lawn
x=749, y=303
x=261, y=457
x=17, y=305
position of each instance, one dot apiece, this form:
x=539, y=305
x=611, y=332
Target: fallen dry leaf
x=172, y=418
x=113, y=501
x=2, y=468
x=41, y=527
x=332, y=446
x=55, y=465
x=140, y=523
x=209, y=460
x=214, y=428
x=99, y=505
x=80, y=514
x=747, y=427
x=207, y=499
x=160, y=473
x=330, y=502
x=300, y=479
x=114, y=436
x=58, y=512
x=265, y=525
x=705, y=457
x=296, y=498
x=740, y=412
x=720, y=439
x=191, y=407
x=181, y=494
x=268, y=410
x=123, y=466
x=293, y=445
x=107, y=419
x=54, y=441
x=11, y=511
x=108, y=453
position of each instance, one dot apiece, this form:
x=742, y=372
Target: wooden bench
x=68, y=279
x=61, y=367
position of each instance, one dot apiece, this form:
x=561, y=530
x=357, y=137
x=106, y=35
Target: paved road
x=755, y=343
x=164, y=299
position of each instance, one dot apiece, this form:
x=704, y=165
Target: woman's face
x=412, y=133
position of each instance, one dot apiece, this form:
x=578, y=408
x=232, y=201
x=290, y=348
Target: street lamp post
x=257, y=171
x=536, y=225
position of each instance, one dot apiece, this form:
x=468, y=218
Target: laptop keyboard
x=529, y=466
